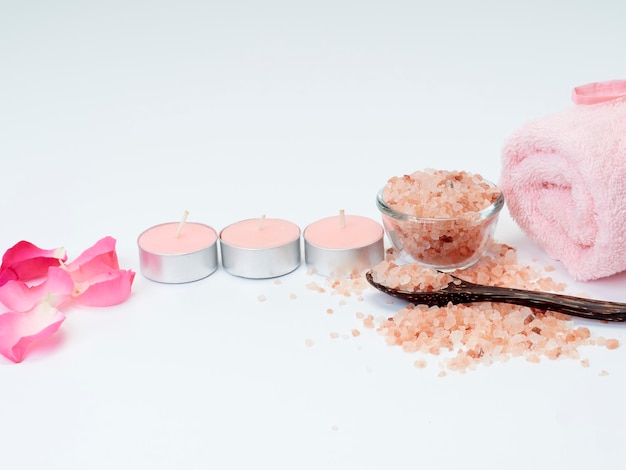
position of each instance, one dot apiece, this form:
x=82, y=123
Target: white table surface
x=116, y=116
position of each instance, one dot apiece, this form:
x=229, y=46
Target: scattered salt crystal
x=278, y=281
x=293, y=296
x=334, y=335
x=329, y=311
x=604, y=373
x=482, y=333
x=262, y=298
x=308, y=342
x=355, y=332
x=315, y=286
x=584, y=362
x=334, y=427
x=420, y=364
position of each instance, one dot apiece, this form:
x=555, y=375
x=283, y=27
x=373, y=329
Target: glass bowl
x=445, y=244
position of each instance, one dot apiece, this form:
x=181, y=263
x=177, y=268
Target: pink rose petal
x=20, y=331
x=110, y=288
x=55, y=289
x=26, y=261
x=99, y=258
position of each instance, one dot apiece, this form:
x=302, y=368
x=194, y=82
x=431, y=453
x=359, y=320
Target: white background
x=119, y=115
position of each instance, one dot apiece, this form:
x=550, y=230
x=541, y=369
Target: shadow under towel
x=564, y=182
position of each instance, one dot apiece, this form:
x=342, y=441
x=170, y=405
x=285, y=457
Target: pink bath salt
x=486, y=332
x=163, y=239
x=410, y=277
x=260, y=233
x=368, y=321
x=439, y=193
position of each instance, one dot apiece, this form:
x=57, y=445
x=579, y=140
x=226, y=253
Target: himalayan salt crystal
x=603, y=373
x=420, y=364
x=308, y=342
x=316, y=287
x=582, y=332
x=439, y=193
x=612, y=343
x=261, y=298
x=409, y=277
x=355, y=332
x=329, y=311
x=584, y=362
x=533, y=358
x=368, y=321
x=293, y=296
x=334, y=335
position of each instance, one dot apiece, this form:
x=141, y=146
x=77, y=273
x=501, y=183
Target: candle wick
x=261, y=220
x=181, y=224
x=342, y=218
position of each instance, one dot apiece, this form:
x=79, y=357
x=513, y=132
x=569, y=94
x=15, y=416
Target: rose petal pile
x=35, y=284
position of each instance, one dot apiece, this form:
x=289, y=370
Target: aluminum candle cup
x=169, y=256
x=260, y=248
x=341, y=246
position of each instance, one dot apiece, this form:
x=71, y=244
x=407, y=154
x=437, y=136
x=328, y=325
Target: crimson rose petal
x=25, y=261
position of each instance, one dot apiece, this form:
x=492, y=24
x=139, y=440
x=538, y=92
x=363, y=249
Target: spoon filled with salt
x=439, y=289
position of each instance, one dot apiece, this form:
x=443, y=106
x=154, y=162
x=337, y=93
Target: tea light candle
x=178, y=252
x=343, y=245
x=260, y=248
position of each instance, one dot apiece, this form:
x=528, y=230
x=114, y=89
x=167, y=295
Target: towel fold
x=564, y=182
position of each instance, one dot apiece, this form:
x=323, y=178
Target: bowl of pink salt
x=439, y=218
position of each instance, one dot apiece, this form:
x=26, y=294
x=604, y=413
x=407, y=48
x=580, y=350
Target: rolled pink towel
x=564, y=181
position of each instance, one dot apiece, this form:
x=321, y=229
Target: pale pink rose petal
x=110, y=288
x=55, y=289
x=97, y=259
x=20, y=331
x=25, y=261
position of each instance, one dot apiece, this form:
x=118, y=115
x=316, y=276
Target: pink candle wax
x=343, y=245
x=260, y=248
x=175, y=253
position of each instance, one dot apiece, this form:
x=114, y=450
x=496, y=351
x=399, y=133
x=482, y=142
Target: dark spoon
x=464, y=292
